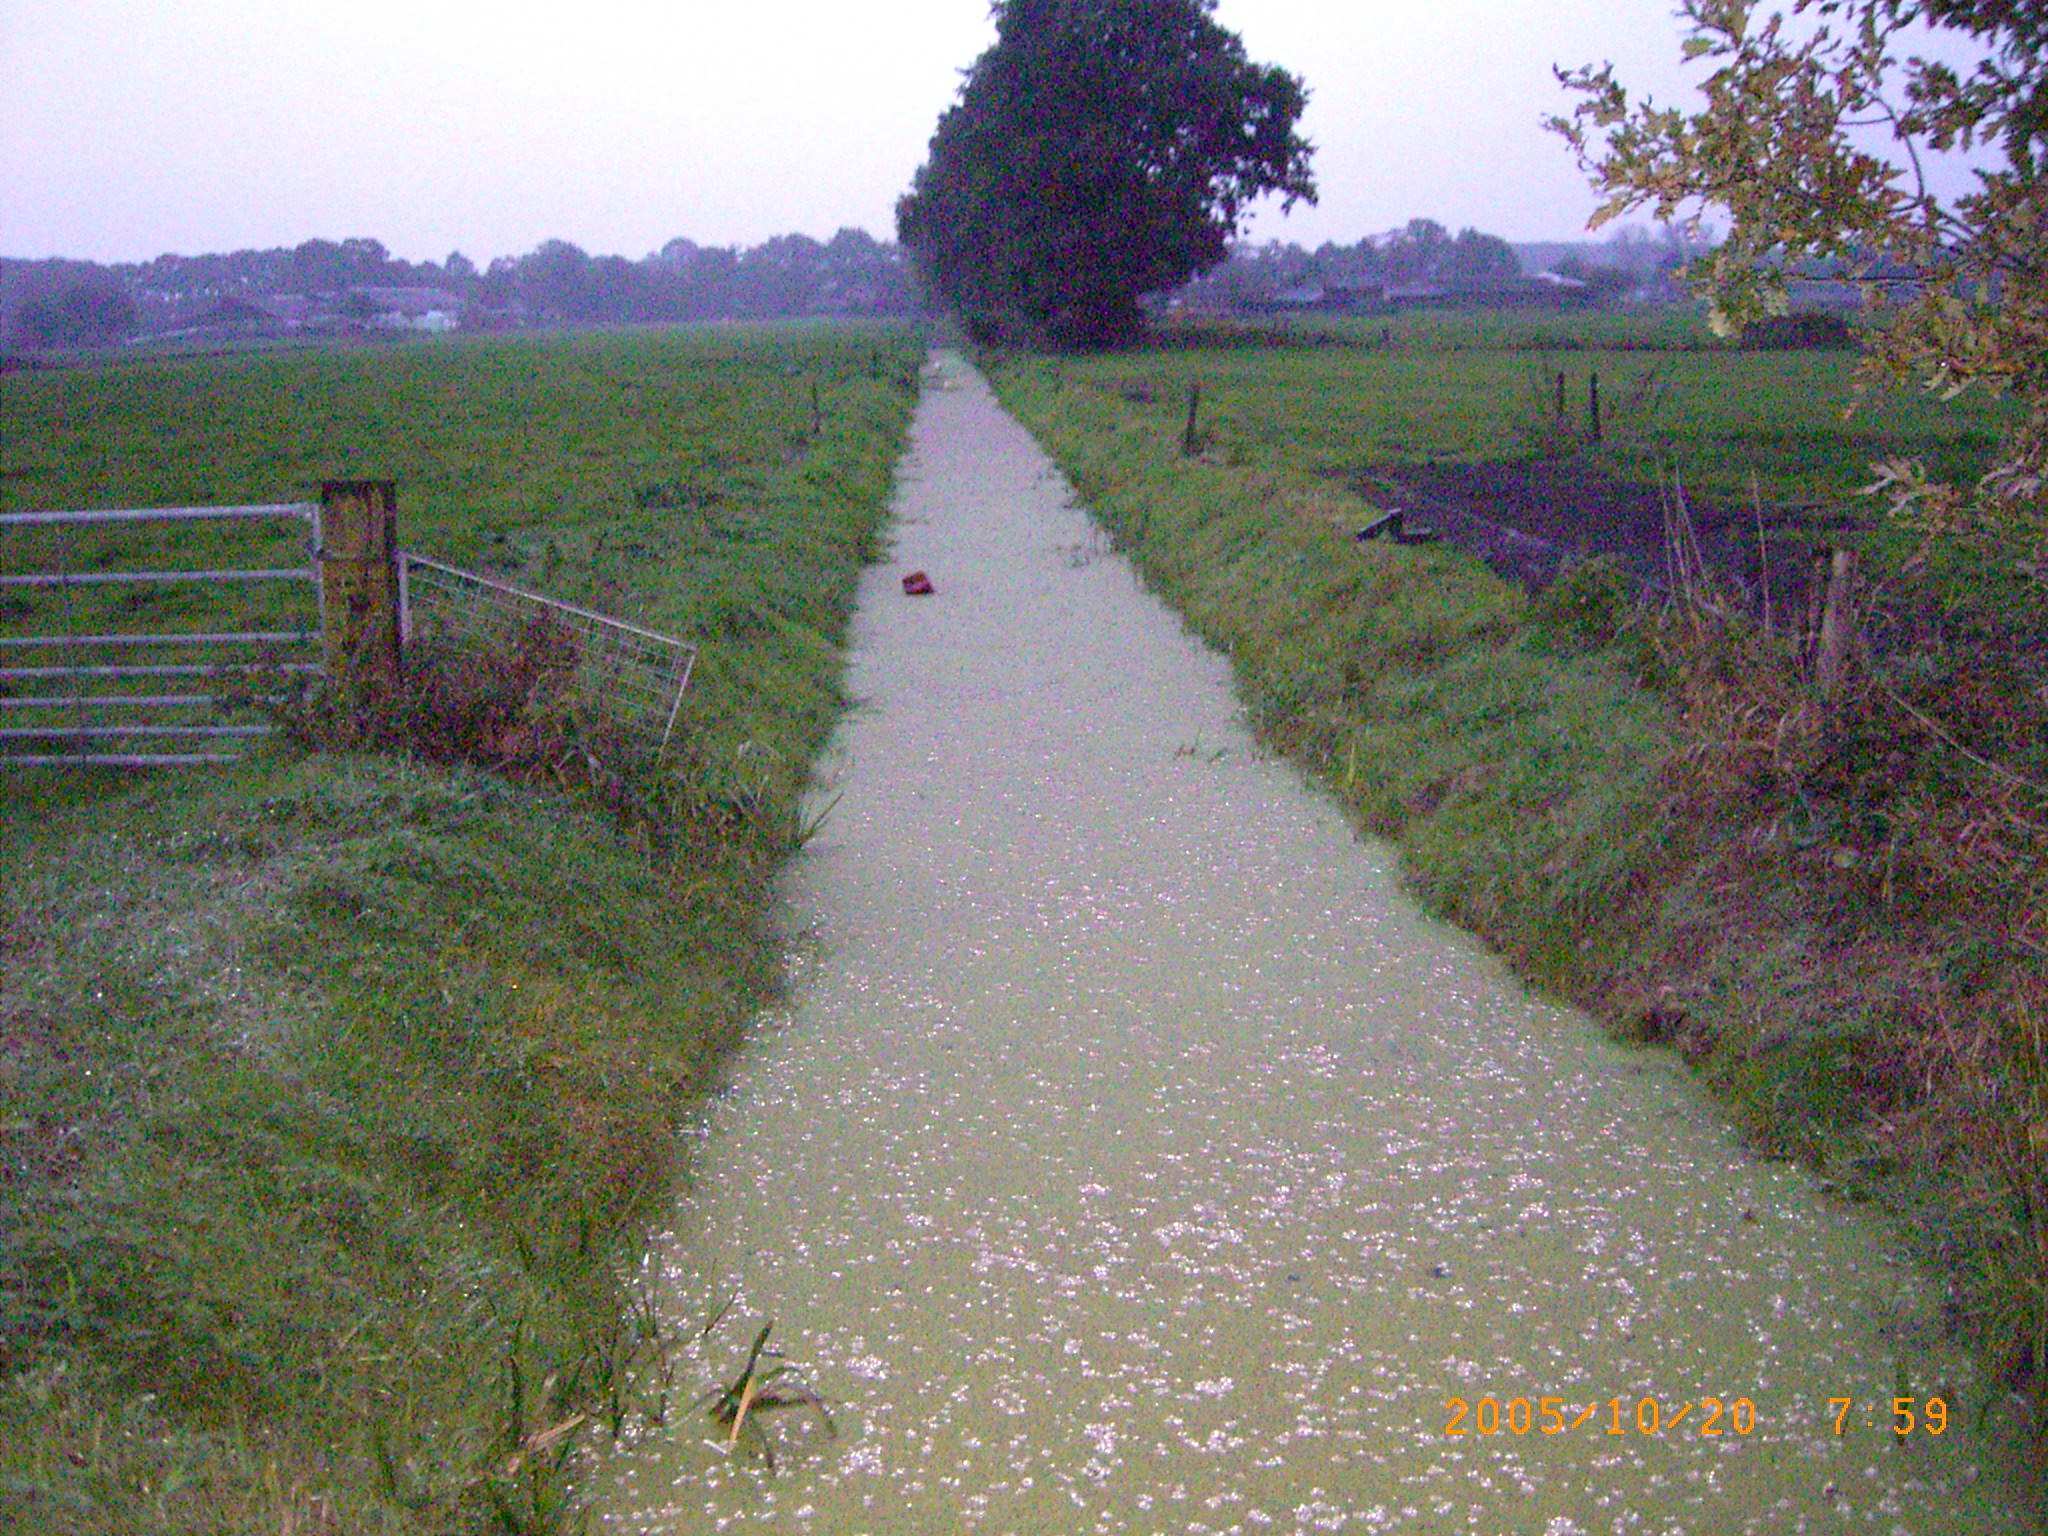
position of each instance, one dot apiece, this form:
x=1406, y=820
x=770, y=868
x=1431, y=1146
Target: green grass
x=337, y=1090
x=1433, y=387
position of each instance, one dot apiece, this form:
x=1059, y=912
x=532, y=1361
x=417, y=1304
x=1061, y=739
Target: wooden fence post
x=1816, y=589
x=1187, y=436
x=359, y=583
x=1560, y=397
x=1593, y=405
x=1837, y=626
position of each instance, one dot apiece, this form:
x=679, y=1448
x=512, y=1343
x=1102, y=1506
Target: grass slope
x=335, y=1090
x=1409, y=678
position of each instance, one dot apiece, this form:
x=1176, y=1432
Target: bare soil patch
x=1528, y=519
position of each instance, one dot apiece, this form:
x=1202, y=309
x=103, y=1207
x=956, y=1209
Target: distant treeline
x=334, y=287
x=341, y=287
x=1423, y=260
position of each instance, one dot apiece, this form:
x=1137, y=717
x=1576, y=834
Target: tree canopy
x=335, y=286
x=1782, y=145
x=1100, y=150
x=91, y=312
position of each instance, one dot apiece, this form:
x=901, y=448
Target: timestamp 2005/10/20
x=1651, y=1415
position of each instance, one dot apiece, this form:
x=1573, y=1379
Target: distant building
x=1325, y=298
x=1550, y=291
x=1355, y=298
x=1826, y=287
x=409, y=309
x=1306, y=296
x=352, y=313
x=1408, y=295
x=511, y=316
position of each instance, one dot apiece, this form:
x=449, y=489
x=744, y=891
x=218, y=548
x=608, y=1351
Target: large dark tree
x=1100, y=150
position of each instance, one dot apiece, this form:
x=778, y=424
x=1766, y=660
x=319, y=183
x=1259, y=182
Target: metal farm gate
x=127, y=640
x=639, y=674
x=152, y=637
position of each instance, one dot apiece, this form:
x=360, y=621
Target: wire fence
x=152, y=637
x=637, y=675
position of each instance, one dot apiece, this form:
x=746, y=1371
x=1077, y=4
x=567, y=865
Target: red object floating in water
x=917, y=584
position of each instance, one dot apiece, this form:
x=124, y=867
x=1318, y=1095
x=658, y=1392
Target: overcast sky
x=134, y=127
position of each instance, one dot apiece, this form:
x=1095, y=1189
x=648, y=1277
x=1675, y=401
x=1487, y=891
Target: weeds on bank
x=624, y=1380
x=514, y=703
x=1898, y=827
x=1901, y=827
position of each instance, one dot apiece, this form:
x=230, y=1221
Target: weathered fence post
x=359, y=582
x=1816, y=589
x=1593, y=405
x=1560, y=397
x=1187, y=435
x=1837, y=626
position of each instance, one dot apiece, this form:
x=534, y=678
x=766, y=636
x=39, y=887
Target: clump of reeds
x=761, y=1388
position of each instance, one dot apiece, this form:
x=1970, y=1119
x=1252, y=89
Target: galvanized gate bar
x=186, y=637
x=118, y=760
x=407, y=557
x=107, y=700
x=164, y=669
x=91, y=578
x=302, y=509
x=18, y=732
x=97, y=718
x=472, y=605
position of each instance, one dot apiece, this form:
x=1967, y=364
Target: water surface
x=1134, y=1156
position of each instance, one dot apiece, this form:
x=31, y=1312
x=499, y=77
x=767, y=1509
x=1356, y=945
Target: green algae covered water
x=1133, y=1156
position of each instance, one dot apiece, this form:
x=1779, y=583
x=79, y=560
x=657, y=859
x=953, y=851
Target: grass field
x=1438, y=411
x=335, y=1088
x=1833, y=908
x=1437, y=387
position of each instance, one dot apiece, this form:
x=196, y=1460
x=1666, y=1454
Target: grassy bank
x=1834, y=914
x=336, y=1089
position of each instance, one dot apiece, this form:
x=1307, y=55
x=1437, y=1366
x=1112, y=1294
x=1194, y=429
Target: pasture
x=1455, y=417
x=334, y=1087
x=1340, y=396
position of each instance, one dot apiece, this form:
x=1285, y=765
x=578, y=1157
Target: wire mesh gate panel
x=134, y=638
x=639, y=675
